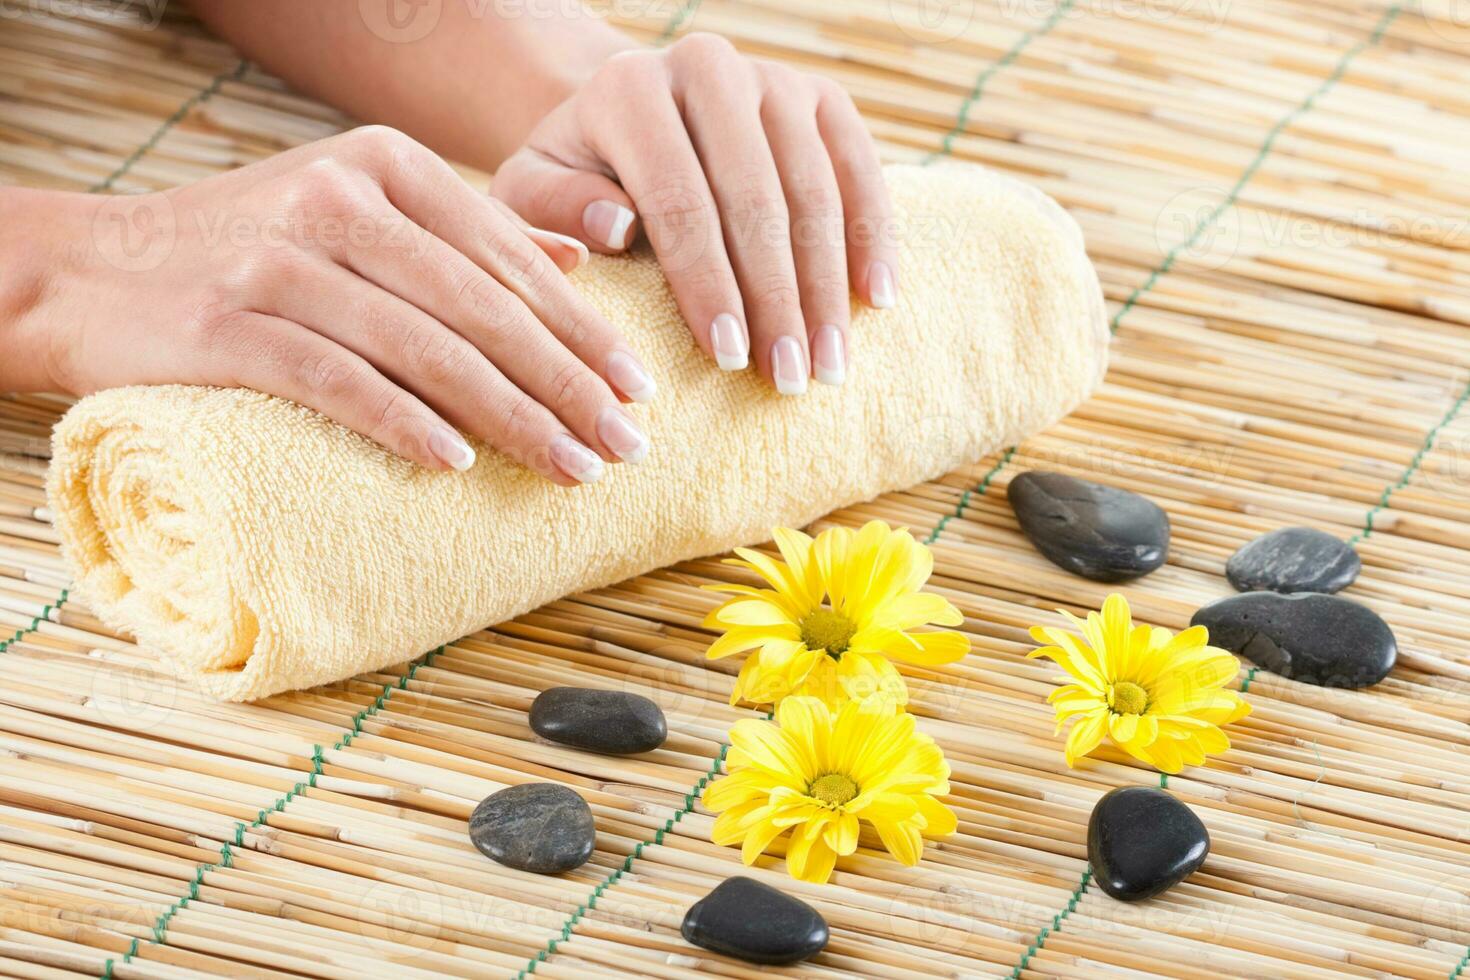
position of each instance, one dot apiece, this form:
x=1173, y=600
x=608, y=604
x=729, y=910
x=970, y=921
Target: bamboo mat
x=1275, y=195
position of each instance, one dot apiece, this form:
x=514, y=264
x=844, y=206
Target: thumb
x=580, y=203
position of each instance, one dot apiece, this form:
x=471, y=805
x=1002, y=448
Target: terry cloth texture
x=259, y=547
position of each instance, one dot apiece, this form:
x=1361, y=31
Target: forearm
x=469, y=78
x=37, y=240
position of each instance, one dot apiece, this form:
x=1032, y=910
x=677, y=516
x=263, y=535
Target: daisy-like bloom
x=1160, y=696
x=819, y=774
x=838, y=609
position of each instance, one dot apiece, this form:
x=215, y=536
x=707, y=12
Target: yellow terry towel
x=259, y=547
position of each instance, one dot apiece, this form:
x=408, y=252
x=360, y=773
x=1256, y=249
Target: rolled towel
x=258, y=547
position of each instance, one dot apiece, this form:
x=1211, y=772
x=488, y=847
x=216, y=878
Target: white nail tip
x=732, y=361
x=566, y=240
x=617, y=235
x=829, y=376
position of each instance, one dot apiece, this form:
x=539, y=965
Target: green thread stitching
x=185, y=107
x=1056, y=923
x=1460, y=966
x=681, y=15
x=1413, y=467
x=1250, y=675
x=226, y=857
x=1267, y=145
x=692, y=796
x=979, y=488
x=962, y=119
x=616, y=875
x=43, y=617
x=1163, y=780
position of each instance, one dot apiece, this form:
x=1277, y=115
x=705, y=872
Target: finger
x=645, y=142
x=441, y=367
x=276, y=356
x=482, y=230
x=872, y=260
x=582, y=204
x=722, y=109
x=568, y=253
x=577, y=421
x=815, y=204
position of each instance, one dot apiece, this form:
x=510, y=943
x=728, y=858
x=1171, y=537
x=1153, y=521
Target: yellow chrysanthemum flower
x=839, y=607
x=819, y=774
x=1161, y=697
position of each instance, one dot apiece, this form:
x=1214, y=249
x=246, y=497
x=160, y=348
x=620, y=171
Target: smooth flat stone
x=1094, y=530
x=1318, y=639
x=610, y=722
x=1142, y=841
x=753, y=921
x=1294, y=559
x=540, y=827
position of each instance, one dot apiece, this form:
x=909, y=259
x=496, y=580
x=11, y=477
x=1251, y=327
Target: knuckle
x=434, y=354
x=485, y=300
x=327, y=185
x=328, y=375
x=624, y=72
x=213, y=318
x=704, y=48
x=518, y=420
x=394, y=416
x=571, y=384
x=778, y=292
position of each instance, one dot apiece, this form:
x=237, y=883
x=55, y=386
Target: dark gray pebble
x=753, y=921
x=1142, y=841
x=1097, y=531
x=1318, y=639
x=540, y=827
x=610, y=722
x=1294, y=559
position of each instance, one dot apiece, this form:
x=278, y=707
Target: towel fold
x=258, y=547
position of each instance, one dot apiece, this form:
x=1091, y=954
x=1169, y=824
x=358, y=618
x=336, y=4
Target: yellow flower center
x=834, y=789
x=1129, y=698
x=823, y=629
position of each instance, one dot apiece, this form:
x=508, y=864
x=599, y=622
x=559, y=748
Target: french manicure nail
x=732, y=346
x=608, y=222
x=575, y=459
x=829, y=356
x=566, y=240
x=451, y=449
x=881, y=288
x=630, y=377
x=788, y=366
x=620, y=434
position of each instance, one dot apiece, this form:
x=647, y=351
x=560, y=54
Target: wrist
x=37, y=248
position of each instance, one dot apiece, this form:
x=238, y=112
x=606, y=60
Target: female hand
x=757, y=186
x=359, y=276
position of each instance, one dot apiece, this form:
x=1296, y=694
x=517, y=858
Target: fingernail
x=575, y=459
x=619, y=433
x=565, y=240
x=630, y=377
x=451, y=449
x=788, y=366
x=881, y=288
x=829, y=356
x=732, y=347
x=607, y=222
